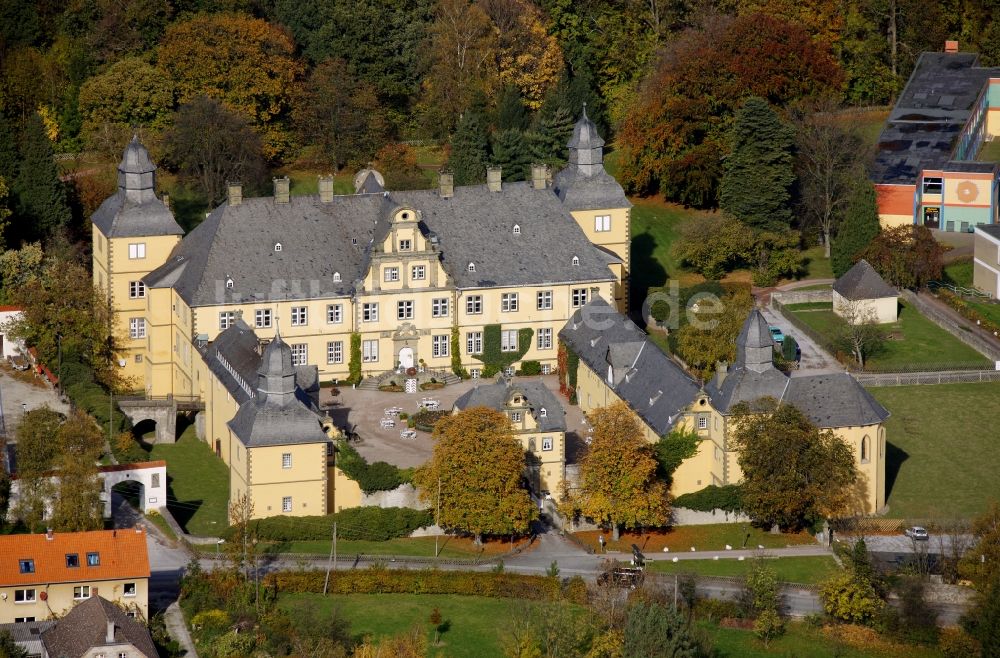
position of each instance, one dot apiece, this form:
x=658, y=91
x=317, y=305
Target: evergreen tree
x=547, y=142
x=511, y=113
x=469, y=150
x=41, y=196
x=758, y=173
x=8, y=148
x=858, y=228
x=511, y=154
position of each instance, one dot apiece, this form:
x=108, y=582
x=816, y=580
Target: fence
x=919, y=378
x=965, y=334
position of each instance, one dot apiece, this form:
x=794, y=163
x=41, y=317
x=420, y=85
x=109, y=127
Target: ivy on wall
x=354, y=365
x=493, y=358
x=568, y=363
x=456, y=355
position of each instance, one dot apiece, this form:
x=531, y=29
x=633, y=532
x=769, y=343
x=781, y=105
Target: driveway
x=814, y=359
x=20, y=394
x=362, y=411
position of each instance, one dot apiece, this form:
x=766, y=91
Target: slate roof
x=863, y=282
x=648, y=380
x=538, y=396
x=753, y=375
x=119, y=217
x=585, y=135
x=123, y=554
x=85, y=627
x=581, y=192
x=135, y=158
x=233, y=357
x=28, y=635
x=835, y=400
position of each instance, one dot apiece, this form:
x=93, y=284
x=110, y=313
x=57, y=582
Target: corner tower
x=133, y=233
x=596, y=201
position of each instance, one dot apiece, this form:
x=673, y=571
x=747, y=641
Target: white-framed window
x=300, y=354
x=262, y=318
x=226, y=319
x=702, y=422
x=390, y=274
x=369, y=351
x=136, y=289
x=578, y=297
x=602, y=223
x=474, y=342
x=286, y=504
x=472, y=267
x=335, y=351
x=24, y=596
x=128, y=589
x=300, y=316
x=404, y=310
x=546, y=443
x=137, y=327
x=418, y=272
x=515, y=416
x=406, y=245
x=544, y=341
x=286, y=460
x=369, y=312
x=508, y=302
x=576, y=260
x=123, y=654
x=136, y=250
x=439, y=308
x=508, y=340
x=474, y=304
x=334, y=313
x=337, y=278
x=230, y=283
x=546, y=369
x=439, y=345
x=277, y=246
x=81, y=592
x=543, y=300
x=475, y=373
x=543, y=412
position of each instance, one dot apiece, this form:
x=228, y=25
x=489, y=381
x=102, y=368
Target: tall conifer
x=41, y=196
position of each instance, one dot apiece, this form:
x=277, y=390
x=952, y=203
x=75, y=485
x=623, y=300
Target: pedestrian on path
x=600, y=540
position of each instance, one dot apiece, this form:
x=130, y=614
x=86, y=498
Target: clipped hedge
x=425, y=420
x=379, y=580
x=377, y=476
x=357, y=523
x=530, y=368
x=710, y=498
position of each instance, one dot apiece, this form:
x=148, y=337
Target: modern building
x=862, y=295
x=926, y=169
x=45, y=575
x=986, y=262
x=538, y=421
x=97, y=628
x=618, y=362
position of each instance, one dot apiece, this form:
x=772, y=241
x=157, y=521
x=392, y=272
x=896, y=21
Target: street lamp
x=217, y=544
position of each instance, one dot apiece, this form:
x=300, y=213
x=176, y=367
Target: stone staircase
x=372, y=383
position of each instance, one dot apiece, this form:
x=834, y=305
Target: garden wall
x=683, y=516
x=405, y=495
x=803, y=296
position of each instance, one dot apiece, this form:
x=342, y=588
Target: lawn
x=935, y=467
x=989, y=310
x=818, y=266
x=712, y=537
x=803, y=641
x=197, y=484
x=409, y=546
x=869, y=124
x=305, y=182
x=990, y=151
x=959, y=273
x=656, y=226
x=476, y=624
x=914, y=340
x=809, y=570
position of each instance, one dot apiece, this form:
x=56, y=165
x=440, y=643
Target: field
x=914, y=339
x=803, y=641
x=712, y=537
x=959, y=273
x=448, y=547
x=936, y=467
x=808, y=570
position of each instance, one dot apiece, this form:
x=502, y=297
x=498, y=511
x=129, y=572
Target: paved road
x=814, y=359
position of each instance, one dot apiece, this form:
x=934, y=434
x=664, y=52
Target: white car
x=917, y=533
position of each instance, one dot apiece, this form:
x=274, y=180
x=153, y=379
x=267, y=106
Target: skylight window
x=472, y=267
x=277, y=246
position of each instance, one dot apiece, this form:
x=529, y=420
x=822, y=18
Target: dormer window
x=354, y=242
x=517, y=229
x=277, y=246
x=576, y=260
x=229, y=283
x=405, y=245
x=543, y=413
x=472, y=267
x=336, y=277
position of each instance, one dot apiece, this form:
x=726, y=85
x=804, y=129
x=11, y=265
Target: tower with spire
x=133, y=233
x=596, y=201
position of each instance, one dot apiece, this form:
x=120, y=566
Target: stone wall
x=803, y=296
x=405, y=495
x=964, y=331
x=683, y=516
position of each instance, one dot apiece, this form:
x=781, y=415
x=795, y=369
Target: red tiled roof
x=123, y=554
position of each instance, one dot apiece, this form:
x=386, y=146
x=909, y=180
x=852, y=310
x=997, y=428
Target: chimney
x=235, y=191
x=539, y=176
x=446, y=184
x=326, y=189
x=281, y=187
x=721, y=368
x=493, y=180
x=48, y=534
x=951, y=46
x=109, y=637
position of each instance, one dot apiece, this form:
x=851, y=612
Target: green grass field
x=914, y=339
x=803, y=641
x=476, y=624
x=809, y=570
x=937, y=467
x=710, y=537
x=197, y=484
x=959, y=273
x=818, y=266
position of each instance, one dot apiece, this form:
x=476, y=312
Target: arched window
x=865, y=449
x=576, y=260
x=517, y=230
x=277, y=246
x=472, y=267
x=336, y=277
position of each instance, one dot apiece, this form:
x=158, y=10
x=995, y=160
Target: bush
x=211, y=619
x=846, y=598
x=530, y=368
x=716, y=609
x=956, y=643
x=356, y=523
x=710, y=498
x=789, y=348
x=425, y=420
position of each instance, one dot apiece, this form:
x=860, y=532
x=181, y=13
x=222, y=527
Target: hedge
x=710, y=498
x=379, y=580
x=358, y=523
x=530, y=368
x=377, y=476
x=425, y=420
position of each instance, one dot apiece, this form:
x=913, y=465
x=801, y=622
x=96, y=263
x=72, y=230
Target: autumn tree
x=35, y=455
x=848, y=598
x=793, y=472
x=211, y=146
x=712, y=337
x=478, y=467
x=398, y=163
x=857, y=229
x=77, y=504
x=906, y=256
x=981, y=563
x=245, y=63
x=758, y=174
x=618, y=474
x=470, y=150
x=982, y=622
x=41, y=196
x=526, y=55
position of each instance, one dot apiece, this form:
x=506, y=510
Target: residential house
x=97, y=628
x=862, y=295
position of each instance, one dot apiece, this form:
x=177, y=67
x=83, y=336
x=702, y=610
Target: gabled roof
x=537, y=395
x=863, y=282
x=123, y=554
x=653, y=385
x=233, y=357
x=85, y=627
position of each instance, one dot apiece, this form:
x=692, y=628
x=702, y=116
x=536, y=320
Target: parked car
x=18, y=362
x=776, y=334
x=917, y=533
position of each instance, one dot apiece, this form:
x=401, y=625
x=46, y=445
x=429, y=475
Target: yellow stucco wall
x=616, y=240
x=60, y=598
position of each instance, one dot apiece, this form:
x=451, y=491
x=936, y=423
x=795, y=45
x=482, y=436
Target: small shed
x=862, y=294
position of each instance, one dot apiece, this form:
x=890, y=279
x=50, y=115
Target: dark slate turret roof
x=585, y=135
x=538, y=396
x=85, y=627
x=583, y=184
x=863, y=282
x=134, y=211
x=135, y=159
x=614, y=348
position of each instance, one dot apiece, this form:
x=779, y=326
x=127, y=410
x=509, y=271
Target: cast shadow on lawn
x=647, y=272
x=894, y=458
x=182, y=510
